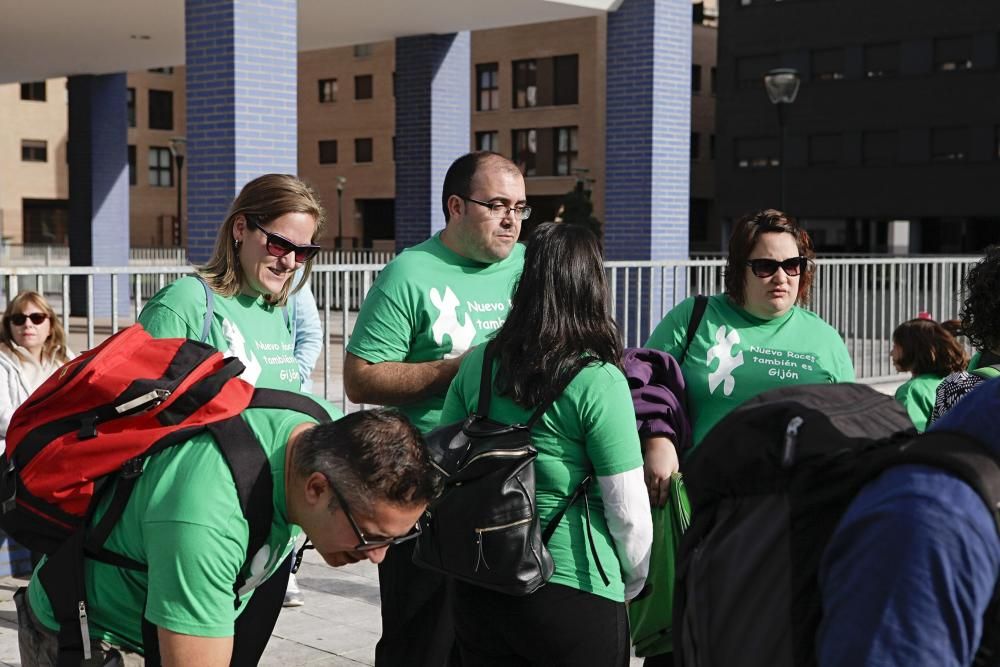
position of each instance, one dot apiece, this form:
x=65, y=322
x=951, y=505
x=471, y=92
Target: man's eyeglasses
x=279, y=246
x=370, y=542
x=18, y=319
x=500, y=210
x=765, y=268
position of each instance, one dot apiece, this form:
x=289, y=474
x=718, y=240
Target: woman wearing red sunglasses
x=32, y=345
x=269, y=233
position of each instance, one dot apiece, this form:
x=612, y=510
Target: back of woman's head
x=559, y=314
x=55, y=347
x=981, y=307
x=927, y=348
x=744, y=238
x=265, y=198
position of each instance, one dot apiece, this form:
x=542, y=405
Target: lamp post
x=340, y=211
x=177, y=149
x=782, y=86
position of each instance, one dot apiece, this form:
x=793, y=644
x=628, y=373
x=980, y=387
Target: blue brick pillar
x=98, y=186
x=648, y=149
x=241, y=58
x=432, y=127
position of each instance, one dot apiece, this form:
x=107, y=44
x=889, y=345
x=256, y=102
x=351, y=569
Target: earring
x=236, y=245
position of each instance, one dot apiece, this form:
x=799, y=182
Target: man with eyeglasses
x=428, y=307
x=355, y=487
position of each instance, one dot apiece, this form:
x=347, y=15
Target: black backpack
x=483, y=528
x=768, y=486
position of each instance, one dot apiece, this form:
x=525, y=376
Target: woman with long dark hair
x=559, y=330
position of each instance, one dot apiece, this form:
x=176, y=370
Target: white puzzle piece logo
x=238, y=348
x=447, y=324
x=728, y=362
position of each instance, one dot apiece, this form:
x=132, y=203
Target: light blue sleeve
x=308, y=332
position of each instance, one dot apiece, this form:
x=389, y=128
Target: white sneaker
x=293, y=596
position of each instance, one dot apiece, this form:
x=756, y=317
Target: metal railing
x=864, y=300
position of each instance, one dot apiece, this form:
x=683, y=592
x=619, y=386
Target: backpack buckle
x=132, y=468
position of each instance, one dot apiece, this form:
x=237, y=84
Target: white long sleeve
x=626, y=509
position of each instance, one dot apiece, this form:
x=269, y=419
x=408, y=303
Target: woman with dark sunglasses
x=269, y=233
x=757, y=335
x=32, y=346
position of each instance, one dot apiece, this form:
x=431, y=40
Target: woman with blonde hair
x=32, y=346
x=237, y=301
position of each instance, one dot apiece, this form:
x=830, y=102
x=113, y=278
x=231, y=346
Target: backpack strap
x=697, y=313
x=281, y=399
x=485, y=382
x=206, y=325
x=580, y=491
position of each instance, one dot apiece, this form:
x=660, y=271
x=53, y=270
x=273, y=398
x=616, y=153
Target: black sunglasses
x=368, y=543
x=765, y=268
x=279, y=246
x=18, y=319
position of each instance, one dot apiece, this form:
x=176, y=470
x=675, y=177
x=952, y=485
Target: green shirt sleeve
x=176, y=311
x=382, y=331
x=670, y=335
x=609, y=422
x=843, y=367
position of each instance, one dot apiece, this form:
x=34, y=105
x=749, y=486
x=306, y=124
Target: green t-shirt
x=184, y=521
x=242, y=326
x=428, y=304
x=918, y=395
x=588, y=430
x=735, y=356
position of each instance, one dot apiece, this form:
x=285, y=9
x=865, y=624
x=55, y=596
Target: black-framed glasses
x=18, y=319
x=370, y=542
x=279, y=246
x=500, y=210
x=765, y=268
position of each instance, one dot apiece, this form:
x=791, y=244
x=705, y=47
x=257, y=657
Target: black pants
x=417, y=625
x=255, y=625
x=555, y=625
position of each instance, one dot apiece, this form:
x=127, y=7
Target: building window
x=566, y=79
x=695, y=145
x=952, y=54
x=949, y=144
x=33, y=91
x=34, y=150
x=525, y=144
x=327, y=91
x=825, y=149
x=130, y=106
x=162, y=70
x=363, y=87
x=565, y=150
x=487, y=87
x=881, y=60
x=131, y=165
x=328, y=151
x=161, y=110
x=487, y=141
x=525, y=83
x=878, y=148
x=161, y=170
x=695, y=78
x=757, y=152
x=362, y=50
x=713, y=80
x=363, y=150
x=828, y=64
x=750, y=71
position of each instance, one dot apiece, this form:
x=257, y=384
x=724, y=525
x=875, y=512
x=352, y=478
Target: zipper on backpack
x=791, y=441
x=480, y=532
x=148, y=400
x=501, y=454
x=491, y=529
x=84, y=629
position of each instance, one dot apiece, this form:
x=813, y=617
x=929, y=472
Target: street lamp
x=782, y=86
x=340, y=210
x=177, y=149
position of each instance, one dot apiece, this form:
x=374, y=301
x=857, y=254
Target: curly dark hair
x=981, y=307
x=743, y=239
x=927, y=348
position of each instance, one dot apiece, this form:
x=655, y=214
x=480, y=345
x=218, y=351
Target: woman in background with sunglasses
x=756, y=336
x=32, y=346
x=271, y=231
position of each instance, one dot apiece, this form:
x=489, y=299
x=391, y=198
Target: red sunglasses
x=279, y=246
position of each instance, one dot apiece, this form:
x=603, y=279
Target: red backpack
x=92, y=425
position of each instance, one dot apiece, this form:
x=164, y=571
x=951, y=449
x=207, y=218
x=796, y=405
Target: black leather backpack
x=484, y=529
